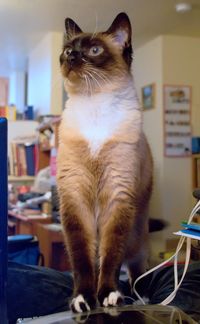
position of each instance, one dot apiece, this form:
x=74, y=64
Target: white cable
x=175, y=257
x=187, y=261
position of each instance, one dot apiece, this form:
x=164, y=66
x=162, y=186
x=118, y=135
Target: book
x=30, y=159
x=14, y=167
x=22, y=159
x=23, y=156
x=193, y=226
x=189, y=233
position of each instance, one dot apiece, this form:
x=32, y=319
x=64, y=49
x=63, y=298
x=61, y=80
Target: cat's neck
x=99, y=117
x=123, y=96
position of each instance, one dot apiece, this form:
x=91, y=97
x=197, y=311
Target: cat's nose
x=72, y=57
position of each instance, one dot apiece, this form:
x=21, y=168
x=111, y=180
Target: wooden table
x=52, y=246
x=49, y=235
x=26, y=223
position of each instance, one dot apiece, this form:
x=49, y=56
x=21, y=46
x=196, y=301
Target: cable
x=177, y=283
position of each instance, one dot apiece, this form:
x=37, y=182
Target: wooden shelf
x=195, y=171
x=21, y=178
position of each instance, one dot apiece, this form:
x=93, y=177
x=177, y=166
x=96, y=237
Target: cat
x=104, y=164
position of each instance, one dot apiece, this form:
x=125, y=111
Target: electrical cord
x=177, y=283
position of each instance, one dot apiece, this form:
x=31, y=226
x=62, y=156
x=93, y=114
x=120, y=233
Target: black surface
x=3, y=218
x=196, y=193
x=36, y=291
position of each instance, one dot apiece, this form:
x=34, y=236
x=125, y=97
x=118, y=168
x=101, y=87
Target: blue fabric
x=23, y=249
x=29, y=255
x=36, y=291
x=20, y=237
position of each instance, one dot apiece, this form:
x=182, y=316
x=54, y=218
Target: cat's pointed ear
x=121, y=30
x=71, y=28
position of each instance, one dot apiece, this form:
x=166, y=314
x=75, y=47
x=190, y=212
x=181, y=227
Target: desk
x=50, y=238
x=52, y=246
x=26, y=224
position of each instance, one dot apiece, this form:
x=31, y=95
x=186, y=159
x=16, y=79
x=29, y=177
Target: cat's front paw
x=82, y=304
x=109, y=297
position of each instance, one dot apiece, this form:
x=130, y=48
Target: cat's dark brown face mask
x=92, y=62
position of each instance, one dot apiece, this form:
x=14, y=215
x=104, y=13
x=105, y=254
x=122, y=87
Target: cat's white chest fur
x=95, y=118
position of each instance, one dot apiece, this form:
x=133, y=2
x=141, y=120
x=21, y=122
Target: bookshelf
x=46, y=138
x=22, y=179
x=195, y=171
x=20, y=136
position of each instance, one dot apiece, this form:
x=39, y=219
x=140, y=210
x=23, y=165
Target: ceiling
x=24, y=22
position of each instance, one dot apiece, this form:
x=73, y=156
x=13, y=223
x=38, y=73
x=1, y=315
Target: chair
x=24, y=249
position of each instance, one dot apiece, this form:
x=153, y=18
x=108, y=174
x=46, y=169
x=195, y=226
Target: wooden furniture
x=23, y=180
x=51, y=242
x=26, y=224
x=49, y=234
x=20, y=132
x=195, y=171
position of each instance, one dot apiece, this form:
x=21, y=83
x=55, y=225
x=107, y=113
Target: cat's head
x=96, y=62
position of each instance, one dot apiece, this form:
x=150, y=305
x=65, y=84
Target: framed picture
x=177, y=121
x=148, y=96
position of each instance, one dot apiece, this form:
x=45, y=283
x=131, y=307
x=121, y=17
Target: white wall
x=181, y=66
x=17, y=89
x=39, y=76
x=169, y=60
x=44, y=80
x=181, y=57
x=147, y=69
x=56, y=77
x=4, y=72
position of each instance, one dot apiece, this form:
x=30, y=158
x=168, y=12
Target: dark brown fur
x=103, y=196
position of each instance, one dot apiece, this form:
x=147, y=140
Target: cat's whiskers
x=94, y=79
x=96, y=24
x=90, y=88
x=87, y=86
x=84, y=60
x=100, y=75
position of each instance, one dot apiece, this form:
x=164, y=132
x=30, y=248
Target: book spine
x=22, y=159
x=30, y=160
x=18, y=161
x=36, y=157
x=14, y=155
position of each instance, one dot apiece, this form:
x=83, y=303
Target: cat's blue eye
x=95, y=50
x=67, y=51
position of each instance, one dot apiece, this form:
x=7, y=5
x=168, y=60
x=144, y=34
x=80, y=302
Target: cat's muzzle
x=73, y=58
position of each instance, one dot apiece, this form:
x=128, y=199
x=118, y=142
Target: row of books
x=190, y=230
x=23, y=158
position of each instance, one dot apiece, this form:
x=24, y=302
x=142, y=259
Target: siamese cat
x=104, y=164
